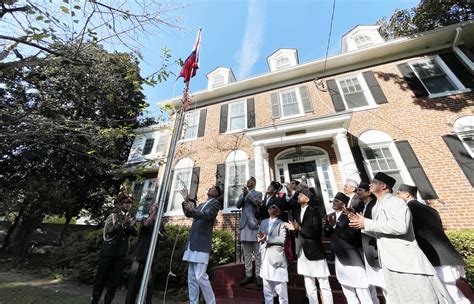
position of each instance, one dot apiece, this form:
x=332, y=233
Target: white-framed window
x=290, y=102
x=381, y=155
x=218, y=80
x=355, y=92
x=466, y=54
x=161, y=143
x=464, y=129
x=144, y=193
x=191, y=125
x=282, y=62
x=436, y=77
x=363, y=41
x=237, y=116
x=181, y=180
x=236, y=175
x=148, y=146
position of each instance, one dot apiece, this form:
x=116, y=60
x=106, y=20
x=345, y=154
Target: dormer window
x=282, y=62
x=363, y=41
x=218, y=81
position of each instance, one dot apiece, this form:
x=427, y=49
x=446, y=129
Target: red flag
x=191, y=64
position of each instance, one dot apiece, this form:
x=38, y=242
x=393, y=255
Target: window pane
x=369, y=153
x=355, y=100
x=290, y=110
x=469, y=52
x=438, y=84
x=148, y=146
x=236, y=180
x=137, y=192
x=289, y=103
x=374, y=165
x=191, y=125
x=237, y=123
x=181, y=182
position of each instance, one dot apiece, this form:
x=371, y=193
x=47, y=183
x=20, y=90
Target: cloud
x=252, y=43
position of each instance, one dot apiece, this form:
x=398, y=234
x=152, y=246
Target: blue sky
x=240, y=34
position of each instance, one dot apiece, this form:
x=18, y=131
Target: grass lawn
x=20, y=293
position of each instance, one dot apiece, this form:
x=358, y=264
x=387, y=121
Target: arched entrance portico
x=312, y=163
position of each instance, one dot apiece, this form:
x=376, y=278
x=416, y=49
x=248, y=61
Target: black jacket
x=122, y=231
x=345, y=241
x=263, y=212
x=369, y=244
x=311, y=230
x=430, y=236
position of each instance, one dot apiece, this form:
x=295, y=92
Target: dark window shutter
x=275, y=105
x=220, y=182
x=194, y=183
x=413, y=82
x=459, y=69
x=335, y=96
x=359, y=160
x=463, y=158
x=306, y=99
x=416, y=170
x=251, y=113
x=374, y=88
x=202, y=122
x=224, y=114
x=251, y=168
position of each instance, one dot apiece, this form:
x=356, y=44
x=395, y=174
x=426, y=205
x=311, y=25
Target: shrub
x=79, y=255
x=463, y=241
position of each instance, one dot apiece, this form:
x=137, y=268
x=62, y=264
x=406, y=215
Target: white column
x=259, y=151
x=349, y=168
x=266, y=168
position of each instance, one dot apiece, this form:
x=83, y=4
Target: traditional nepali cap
x=276, y=185
x=407, y=188
x=342, y=197
x=296, y=182
x=364, y=185
x=126, y=199
x=253, y=178
x=351, y=182
x=384, y=178
x=305, y=191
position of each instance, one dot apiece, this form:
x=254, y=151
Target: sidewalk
x=20, y=287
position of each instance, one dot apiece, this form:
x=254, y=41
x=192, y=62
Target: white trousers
x=455, y=293
x=198, y=278
x=356, y=295
x=312, y=290
x=272, y=287
x=251, y=251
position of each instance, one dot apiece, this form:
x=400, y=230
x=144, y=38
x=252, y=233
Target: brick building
x=403, y=107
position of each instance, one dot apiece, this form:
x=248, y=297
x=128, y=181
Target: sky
x=240, y=34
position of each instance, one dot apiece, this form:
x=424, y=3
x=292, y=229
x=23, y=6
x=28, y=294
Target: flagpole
x=162, y=193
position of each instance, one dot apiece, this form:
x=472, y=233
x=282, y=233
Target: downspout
x=456, y=38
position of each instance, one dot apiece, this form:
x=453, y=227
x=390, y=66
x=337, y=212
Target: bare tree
x=30, y=30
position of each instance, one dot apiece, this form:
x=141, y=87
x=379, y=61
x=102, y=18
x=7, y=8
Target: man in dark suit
x=434, y=243
x=272, y=198
x=199, y=243
x=369, y=244
x=141, y=254
x=312, y=262
x=119, y=227
x=345, y=242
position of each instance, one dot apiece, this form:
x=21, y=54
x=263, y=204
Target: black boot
x=246, y=280
x=259, y=282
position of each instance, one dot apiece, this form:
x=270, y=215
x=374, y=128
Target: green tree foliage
x=463, y=241
x=64, y=128
x=427, y=15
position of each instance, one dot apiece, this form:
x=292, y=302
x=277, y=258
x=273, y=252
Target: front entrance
x=312, y=164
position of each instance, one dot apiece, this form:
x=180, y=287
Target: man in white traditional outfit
x=434, y=243
x=373, y=270
x=249, y=201
x=312, y=262
x=273, y=271
x=345, y=244
x=408, y=274
x=199, y=243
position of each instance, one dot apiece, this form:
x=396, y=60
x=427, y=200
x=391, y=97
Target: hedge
x=463, y=241
x=78, y=257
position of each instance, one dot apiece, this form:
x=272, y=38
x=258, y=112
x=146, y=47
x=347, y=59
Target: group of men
x=378, y=239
